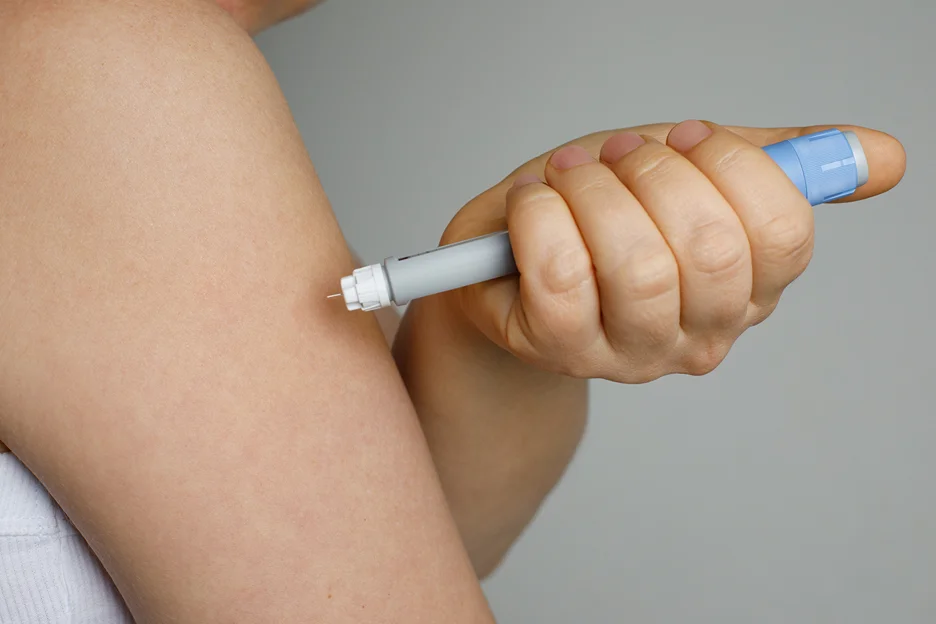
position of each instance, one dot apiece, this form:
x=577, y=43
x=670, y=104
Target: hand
x=647, y=253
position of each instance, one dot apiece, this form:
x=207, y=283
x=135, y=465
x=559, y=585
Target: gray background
x=794, y=484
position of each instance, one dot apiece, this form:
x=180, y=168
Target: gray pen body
x=449, y=267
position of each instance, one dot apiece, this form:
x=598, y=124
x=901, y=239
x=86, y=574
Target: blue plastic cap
x=824, y=166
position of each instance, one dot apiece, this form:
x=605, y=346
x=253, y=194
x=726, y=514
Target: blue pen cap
x=824, y=166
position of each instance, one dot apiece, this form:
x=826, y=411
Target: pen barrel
x=449, y=267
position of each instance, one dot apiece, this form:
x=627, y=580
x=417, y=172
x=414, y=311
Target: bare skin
x=233, y=447
x=168, y=332
x=255, y=16
x=497, y=371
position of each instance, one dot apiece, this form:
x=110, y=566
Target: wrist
x=460, y=335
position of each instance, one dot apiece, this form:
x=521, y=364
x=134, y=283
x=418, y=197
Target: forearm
x=501, y=433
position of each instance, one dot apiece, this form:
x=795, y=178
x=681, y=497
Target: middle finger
x=703, y=231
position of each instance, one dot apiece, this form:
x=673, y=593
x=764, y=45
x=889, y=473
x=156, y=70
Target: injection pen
x=824, y=166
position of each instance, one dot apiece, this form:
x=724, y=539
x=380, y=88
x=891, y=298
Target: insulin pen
x=824, y=166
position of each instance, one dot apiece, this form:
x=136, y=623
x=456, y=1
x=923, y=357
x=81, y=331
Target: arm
x=234, y=448
x=501, y=431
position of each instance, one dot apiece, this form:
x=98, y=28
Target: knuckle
x=518, y=338
x=567, y=331
x=731, y=316
x=760, y=313
x=727, y=312
x=648, y=377
x=625, y=372
x=715, y=248
x=567, y=268
x=577, y=363
x=638, y=376
x=736, y=156
x=785, y=239
x=596, y=185
x=654, y=166
x=530, y=197
x=649, y=272
x=645, y=341
x=657, y=337
x=575, y=368
x=558, y=327
x=705, y=358
x=644, y=351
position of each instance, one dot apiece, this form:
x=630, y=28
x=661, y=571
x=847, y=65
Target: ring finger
x=638, y=280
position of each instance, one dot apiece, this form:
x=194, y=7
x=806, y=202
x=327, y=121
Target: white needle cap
x=366, y=289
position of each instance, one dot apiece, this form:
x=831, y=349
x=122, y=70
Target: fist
x=643, y=256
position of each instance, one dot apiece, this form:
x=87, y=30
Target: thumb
x=887, y=160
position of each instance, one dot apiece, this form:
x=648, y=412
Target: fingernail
x=523, y=179
x=687, y=135
x=570, y=156
x=620, y=145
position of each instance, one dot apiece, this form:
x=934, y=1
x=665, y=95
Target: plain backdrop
x=797, y=483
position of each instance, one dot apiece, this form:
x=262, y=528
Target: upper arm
x=233, y=447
